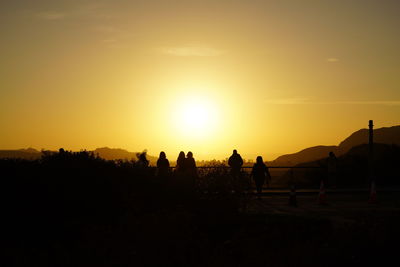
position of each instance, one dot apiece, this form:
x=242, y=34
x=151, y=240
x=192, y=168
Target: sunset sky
x=264, y=77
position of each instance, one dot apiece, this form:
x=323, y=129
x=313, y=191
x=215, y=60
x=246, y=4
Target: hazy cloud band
x=192, y=51
x=305, y=101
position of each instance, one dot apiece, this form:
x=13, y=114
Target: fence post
x=371, y=177
x=292, y=188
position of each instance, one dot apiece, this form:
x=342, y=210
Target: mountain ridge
x=384, y=135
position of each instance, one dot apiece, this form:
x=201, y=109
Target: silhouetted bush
x=75, y=209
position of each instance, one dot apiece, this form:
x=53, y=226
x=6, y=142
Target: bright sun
x=195, y=116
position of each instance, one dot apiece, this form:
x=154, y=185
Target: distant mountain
x=386, y=135
x=352, y=168
x=114, y=153
x=29, y=153
x=305, y=155
x=118, y=153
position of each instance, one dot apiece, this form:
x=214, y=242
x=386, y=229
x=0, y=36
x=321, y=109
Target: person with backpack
x=235, y=162
x=260, y=174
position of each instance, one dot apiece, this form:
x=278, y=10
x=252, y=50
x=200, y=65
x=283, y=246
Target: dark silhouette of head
x=234, y=152
x=259, y=160
x=331, y=154
x=181, y=155
x=189, y=155
x=142, y=156
x=180, y=162
x=142, y=160
x=162, y=155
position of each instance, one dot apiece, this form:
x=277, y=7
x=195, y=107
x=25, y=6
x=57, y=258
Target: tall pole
x=371, y=151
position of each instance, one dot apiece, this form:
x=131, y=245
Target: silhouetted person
x=162, y=165
x=180, y=162
x=190, y=170
x=179, y=174
x=142, y=160
x=332, y=169
x=190, y=164
x=260, y=175
x=235, y=162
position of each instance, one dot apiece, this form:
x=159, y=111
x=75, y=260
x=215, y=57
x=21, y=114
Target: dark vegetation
x=59, y=206
x=76, y=209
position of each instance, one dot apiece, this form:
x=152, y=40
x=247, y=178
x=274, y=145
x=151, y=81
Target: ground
x=268, y=232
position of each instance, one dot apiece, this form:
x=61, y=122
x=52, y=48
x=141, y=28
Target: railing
x=285, y=177
x=269, y=167
x=249, y=167
x=282, y=177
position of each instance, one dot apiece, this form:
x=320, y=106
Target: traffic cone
x=372, y=196
x=322, y=194
x=292, y=196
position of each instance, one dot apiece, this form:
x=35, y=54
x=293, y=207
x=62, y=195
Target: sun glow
x=195, y=116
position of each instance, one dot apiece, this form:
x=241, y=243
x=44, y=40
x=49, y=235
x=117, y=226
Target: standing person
x=180, y=163
x=162, y=165
x=179, y=172
x=260, y=174
x=235, y=162
x=142, y=164
x=332, y=169
x=142, y=160
x=191, y=170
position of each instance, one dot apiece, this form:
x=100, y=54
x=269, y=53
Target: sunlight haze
x=263, y=77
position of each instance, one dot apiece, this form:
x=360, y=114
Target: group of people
x=185, y=173
x=259, y=172
x=184, y=164
x=186, y=169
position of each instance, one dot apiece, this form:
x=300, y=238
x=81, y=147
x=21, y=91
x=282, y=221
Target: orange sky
x=265, y=77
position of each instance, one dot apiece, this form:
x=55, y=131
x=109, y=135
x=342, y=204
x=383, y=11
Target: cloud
x=93, y=10
x=193, y=51
x=107, y=29
x=110, y=41
x=51, y=15
x=332, y=59
x=306, y=101
x=97, y=9
x=288, y=101
x=378, y=102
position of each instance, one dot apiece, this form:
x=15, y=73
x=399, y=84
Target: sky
x=264, y=77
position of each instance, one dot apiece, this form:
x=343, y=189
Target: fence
x=219, y=178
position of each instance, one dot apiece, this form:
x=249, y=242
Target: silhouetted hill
x=352, y=168
x=386, y=135
x=118, y=153
x=305, y=155
x=29, y=153
x=114, y=153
